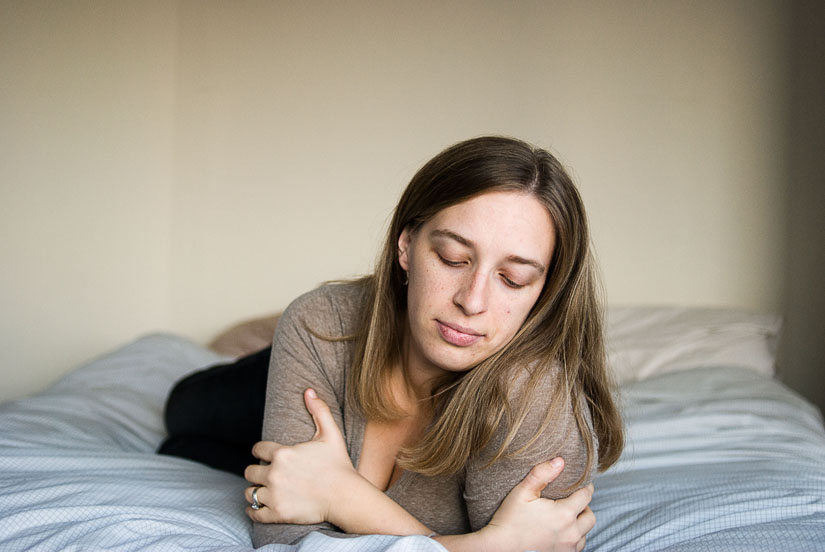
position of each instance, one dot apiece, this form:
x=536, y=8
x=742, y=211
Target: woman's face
x=475, y=271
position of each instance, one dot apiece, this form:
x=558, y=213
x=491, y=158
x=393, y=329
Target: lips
x=457, y=335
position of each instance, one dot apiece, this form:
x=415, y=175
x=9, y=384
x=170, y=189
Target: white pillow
x=645, y=341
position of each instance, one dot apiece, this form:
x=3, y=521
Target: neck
x=415, y=378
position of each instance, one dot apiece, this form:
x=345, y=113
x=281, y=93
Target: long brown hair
x=563, y=331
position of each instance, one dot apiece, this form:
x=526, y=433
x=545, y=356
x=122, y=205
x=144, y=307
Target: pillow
x=246, y=337
x=645, y=341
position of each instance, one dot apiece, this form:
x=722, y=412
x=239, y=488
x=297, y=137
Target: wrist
x=492, y=538
x=364, y=509
x=344, y=495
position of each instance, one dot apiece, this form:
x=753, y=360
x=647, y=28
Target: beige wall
x=179, y=165
x=86, y=160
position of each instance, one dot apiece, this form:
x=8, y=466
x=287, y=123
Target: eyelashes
x=507, y=281
x=511, y=283
x=449, y=262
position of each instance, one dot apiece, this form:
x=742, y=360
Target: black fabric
x=214, y=416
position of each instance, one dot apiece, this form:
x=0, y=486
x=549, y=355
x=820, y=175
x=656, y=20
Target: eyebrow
x=443, y=233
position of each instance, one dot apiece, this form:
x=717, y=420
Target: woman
x=439, y=389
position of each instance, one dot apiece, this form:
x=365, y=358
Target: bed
x=720, y=455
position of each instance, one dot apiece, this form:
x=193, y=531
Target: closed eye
x=511, y=283
x=449, y=262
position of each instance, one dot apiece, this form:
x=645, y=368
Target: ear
x=403, y=248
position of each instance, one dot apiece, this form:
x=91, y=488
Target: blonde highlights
x=562, y=334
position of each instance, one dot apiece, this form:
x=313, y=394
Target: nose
x=472, y=295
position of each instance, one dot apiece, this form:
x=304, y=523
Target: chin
x=456, y=361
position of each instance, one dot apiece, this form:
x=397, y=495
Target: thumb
x=325, y=426
x=539, y=477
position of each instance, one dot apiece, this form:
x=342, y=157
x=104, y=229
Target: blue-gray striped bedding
x=717, y=459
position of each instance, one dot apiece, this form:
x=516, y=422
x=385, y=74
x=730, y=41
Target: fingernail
x=556, y=462
x=311, y=394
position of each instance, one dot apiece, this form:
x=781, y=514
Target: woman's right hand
x=302, y=483
x=526, y=521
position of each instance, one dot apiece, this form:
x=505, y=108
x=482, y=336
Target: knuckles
x=283, y=455
x=276, y=481
x=567, y=518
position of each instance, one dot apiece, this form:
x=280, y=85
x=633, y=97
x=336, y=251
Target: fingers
x=261, y=495
x=580, y=499
x=260, y=513
x=325, y=426
x=262, y=450
x=586, y=520
x=539, y=477
x=265, y=450
x=255, y=474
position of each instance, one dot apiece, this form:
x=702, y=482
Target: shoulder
x=312, y=348
x=332, y=309
x=539, y=402
x=545, y=424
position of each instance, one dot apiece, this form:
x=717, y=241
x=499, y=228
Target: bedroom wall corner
x=802, y=352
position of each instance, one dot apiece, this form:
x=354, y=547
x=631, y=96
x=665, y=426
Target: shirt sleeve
x=301, y=359
x=487, y=486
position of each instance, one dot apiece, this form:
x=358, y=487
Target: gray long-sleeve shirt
x=455, y=504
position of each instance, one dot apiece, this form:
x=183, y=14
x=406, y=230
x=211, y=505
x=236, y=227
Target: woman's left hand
x=301, y=482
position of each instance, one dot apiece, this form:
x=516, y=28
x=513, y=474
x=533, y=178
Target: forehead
x=513, y=223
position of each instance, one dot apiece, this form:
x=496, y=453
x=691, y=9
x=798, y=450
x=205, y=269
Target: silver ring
x=255, y=504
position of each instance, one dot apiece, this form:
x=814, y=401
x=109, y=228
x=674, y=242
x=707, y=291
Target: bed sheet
x=717, y=459
x=78, y=469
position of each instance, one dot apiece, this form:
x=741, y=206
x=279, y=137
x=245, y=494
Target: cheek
x=426, y=292
x=432, y=284
x=513, y=316
x=505, y=323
